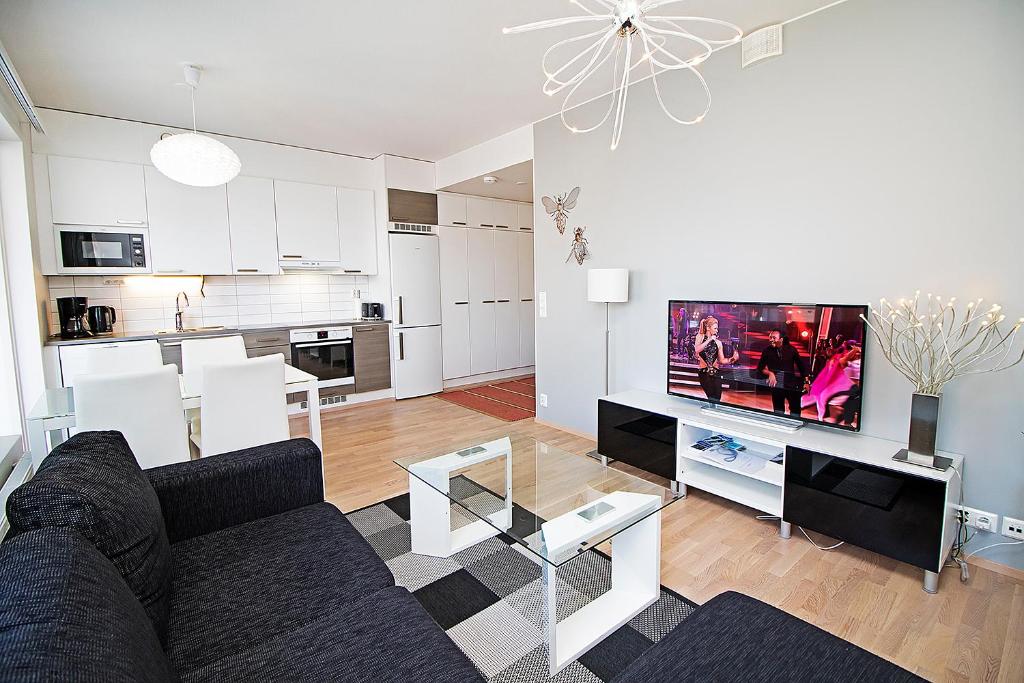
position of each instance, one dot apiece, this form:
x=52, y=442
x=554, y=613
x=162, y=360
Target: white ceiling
x=514, y=182
x=417, y=78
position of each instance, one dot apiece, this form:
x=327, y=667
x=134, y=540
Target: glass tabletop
x=562, y=504
x=53, y=403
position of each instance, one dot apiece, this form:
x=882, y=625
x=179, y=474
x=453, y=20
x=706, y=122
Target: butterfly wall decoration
x=559, y=207
x=579, y=248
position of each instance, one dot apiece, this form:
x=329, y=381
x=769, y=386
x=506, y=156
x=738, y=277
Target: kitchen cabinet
x=524, y=215
x=188, y=227
x=506, y=295
x=483, y=356
x=451, y=210
x=357, y=230
x=527, y=316
x=307, y=222
x=506, y=215
x=479, y=212
x=372, y=351
x=253, y=226
x=454, y=266
x=90, y=192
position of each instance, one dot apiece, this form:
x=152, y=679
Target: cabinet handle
x=458, y=222
x=401, y=346
x=290, y=256
x=271, y=339
x=525, y=300
x=247, y=270
x=489, y=301
x=168, y=270
x=503, y=227
x=121, y=221
x=526, y=228
x=503, y=301
x=351, y=271
x=363, y=329
x=486, y=225
x=461, y=303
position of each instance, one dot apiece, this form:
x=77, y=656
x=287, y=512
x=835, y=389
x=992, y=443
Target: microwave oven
x=96, y=250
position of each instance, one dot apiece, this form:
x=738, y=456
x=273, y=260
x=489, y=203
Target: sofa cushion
x=248, y=583
x=65, y=612
x=93, y=484
x=734, y=637
x=385, y=637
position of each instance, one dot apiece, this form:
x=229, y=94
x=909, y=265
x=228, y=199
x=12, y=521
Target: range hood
x=307, y=265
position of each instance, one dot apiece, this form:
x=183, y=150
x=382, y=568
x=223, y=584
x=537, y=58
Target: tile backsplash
x=146, y=303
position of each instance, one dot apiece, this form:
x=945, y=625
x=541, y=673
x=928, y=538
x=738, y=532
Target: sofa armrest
x=202, y=496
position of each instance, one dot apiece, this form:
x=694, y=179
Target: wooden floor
x=968, y=632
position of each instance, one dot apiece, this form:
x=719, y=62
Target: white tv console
x=761, y=485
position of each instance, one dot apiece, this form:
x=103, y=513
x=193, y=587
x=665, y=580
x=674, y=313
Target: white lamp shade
x=608, y=285
x=193, y=159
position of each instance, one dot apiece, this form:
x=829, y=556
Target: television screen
x=803, y=361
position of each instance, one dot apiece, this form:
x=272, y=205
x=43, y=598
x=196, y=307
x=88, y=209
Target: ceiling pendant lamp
x=191, y=158
x=630, y=36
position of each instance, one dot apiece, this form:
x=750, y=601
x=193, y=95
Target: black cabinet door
x=637, y=437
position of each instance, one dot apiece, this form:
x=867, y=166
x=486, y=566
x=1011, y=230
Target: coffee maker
x=71, y=311
x=373, y=311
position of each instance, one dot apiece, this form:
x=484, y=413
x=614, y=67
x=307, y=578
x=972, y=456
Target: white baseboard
x=489, y=377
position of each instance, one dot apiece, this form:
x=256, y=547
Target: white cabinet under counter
x=188, y=227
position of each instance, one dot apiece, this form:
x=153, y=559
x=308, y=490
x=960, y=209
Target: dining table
x=54, y=412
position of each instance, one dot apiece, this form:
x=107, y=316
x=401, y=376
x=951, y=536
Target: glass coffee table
x=554, y=507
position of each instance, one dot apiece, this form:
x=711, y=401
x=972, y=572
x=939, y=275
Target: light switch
x=542, y=304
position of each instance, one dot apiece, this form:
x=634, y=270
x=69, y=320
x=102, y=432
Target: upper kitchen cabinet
x=480, y=212
x=505, y=215
x=307, y=222
x=525, y=216
x=253, y=225
x=188, y=227
x=90, y=192
x=451, y=210
x=358, y=231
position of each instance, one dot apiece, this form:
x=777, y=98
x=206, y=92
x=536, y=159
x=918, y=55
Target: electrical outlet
x=543, y=400
x=542, y=304
x=979, y=519
x=1014, y=528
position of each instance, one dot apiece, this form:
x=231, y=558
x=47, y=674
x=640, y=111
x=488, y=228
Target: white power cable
x=819, y=547
x=992, y=545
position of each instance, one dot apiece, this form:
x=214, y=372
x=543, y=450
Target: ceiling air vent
x=414, y=227
x=762, y=44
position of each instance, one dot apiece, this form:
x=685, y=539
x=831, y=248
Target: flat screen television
x=801, y=361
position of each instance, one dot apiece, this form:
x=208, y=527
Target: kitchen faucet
x=178, y=327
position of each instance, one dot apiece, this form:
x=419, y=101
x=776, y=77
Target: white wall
x=881, y=154
x=501, y=152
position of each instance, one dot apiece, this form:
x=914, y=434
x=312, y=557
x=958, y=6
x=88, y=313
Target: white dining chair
x=144, y=406
x=197, y=353
x=243, y=405
x=111, y=358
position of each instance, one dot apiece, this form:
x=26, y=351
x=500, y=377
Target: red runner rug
x=510, y=401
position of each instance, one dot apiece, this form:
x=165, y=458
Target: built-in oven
x=83, y=250
x=325, y=352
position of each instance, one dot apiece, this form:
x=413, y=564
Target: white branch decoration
x=930, y=344
x=629, y=37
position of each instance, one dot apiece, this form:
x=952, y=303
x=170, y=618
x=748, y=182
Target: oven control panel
x=322, y=334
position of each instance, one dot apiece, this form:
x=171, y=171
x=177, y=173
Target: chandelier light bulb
x=629, y=37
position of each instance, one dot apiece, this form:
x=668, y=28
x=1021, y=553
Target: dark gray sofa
x=228, y=568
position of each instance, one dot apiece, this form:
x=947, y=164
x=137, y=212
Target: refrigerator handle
x=401, y=314
x=401, y=346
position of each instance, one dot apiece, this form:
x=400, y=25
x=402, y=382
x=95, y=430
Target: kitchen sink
x=184, y=330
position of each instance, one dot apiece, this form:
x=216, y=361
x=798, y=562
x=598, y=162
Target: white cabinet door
x=483, y=356
x=527, y=319
x=357, y=228
x=188, y=227
x=506, y=294
x=525, y=216
x=307, y=221
x=88, y=192
x=479, y=212
x=253, y=226
x=506, y=215
x=451, y=209
x=454, y=266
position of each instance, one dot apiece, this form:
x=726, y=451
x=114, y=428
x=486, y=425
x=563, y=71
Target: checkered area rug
x=489, y=597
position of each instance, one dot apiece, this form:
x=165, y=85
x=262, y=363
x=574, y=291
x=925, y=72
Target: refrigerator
x=416, y=313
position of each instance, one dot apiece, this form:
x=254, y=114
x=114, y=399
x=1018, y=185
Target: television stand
x=782, y=424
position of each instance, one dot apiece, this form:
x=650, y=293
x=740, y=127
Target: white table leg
x=37, y=442
x=315, y=435
x=636, y=585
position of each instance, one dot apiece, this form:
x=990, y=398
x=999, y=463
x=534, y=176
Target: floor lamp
x=607, y=285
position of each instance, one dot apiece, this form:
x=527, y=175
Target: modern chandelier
x=632, y=35
x=191, y=158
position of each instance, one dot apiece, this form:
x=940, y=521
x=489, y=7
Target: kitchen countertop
x=139, y=336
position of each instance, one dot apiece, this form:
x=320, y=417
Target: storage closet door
x=483, y=355
x=455, y=344
x=527, y=315
x=506, y=293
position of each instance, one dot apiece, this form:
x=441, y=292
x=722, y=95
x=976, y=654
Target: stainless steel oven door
x=328, y=360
